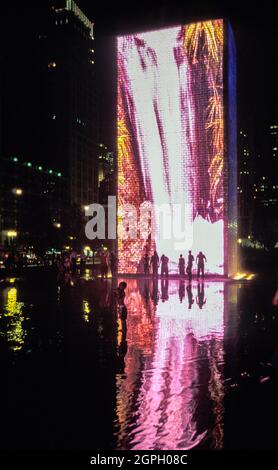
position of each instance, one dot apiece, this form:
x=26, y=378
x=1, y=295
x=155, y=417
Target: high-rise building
x=273, y=179
x=246, y=185
x=274, y=142
x=50, y=114
x=266, y=184
x=105, y=163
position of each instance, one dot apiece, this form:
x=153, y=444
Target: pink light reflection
x=173, y=369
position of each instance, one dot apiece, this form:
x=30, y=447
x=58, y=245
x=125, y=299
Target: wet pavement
x=193, y=367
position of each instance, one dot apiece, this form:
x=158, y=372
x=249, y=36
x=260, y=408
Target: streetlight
x=17, y=191
x=12, y=233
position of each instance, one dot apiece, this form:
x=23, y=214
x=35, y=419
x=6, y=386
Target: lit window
x=52, y=65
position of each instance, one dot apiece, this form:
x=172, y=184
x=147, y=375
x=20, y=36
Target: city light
x=241, y=276
x=18, y=191
x=87, y=251
x=57, y=225
x=12, y=233
x=86, y=208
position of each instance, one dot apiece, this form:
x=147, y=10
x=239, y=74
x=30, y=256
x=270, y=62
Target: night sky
x=255, y=30
x=254, y=24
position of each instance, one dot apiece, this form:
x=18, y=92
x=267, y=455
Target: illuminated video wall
x=171, y=145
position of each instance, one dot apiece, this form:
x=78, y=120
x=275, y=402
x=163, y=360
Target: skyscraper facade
x=49, y=104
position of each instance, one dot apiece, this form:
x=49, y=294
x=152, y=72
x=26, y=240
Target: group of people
x=154, y=263
x=67, y=263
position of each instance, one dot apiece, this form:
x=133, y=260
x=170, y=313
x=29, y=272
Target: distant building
x=105, y=163
x=33, y=201
x=272, y=190
x=246, y=185
x=273, y=133
x=266, y=187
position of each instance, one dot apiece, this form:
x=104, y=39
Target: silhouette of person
x=200, y=298
x=120, y=296
x=155, y=264
x=164, y=289
x=146, y=264
x=181, y=290
x=201, y=264
x=181, y=266
x=164, y=265
x=73, y=262
x=190, y=260
x=189, y=296
x=103, y=265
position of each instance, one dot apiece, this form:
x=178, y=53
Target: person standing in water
x=201, y=264
x=181, y=266
x=155, y=264
x=164, y=265
x=146, y=264
x=190, y=260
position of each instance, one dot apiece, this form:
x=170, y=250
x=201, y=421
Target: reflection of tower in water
x=173, y=385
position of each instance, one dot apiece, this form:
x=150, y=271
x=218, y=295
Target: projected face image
x=170, y=142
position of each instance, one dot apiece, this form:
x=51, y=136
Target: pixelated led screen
x=171, y=140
